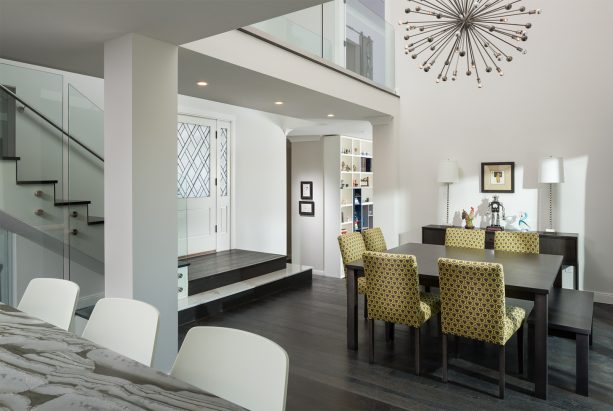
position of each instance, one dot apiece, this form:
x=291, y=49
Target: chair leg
x=365, y=306
x=531, y=345
x=592, y=334
x=417, y=332
x=389, y=332
x=371, y=341
x=444, y=357
x=520, y=349
x=456, y=346
x=501, y=383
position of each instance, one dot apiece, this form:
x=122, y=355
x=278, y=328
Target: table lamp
x=551, y=172
x=448, y=173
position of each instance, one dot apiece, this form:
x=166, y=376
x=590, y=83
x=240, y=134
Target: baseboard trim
x=89, y=300
x=319, y=272
x=605, y=298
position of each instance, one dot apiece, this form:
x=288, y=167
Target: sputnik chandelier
x=465, y=34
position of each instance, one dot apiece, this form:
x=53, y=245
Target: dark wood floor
x=310, y=324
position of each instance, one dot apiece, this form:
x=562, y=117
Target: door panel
x=224, y=133
x=196, y=183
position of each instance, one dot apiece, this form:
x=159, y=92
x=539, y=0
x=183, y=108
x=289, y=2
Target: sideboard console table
x=564, y=244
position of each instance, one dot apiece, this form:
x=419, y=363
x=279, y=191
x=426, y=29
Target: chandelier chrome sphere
x=465, y=34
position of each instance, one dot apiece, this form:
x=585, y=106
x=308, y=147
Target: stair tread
x=71, y=202
x=34, y=182
x=10, y=158
x=95, y=220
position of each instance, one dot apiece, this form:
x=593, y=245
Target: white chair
x=128, y=327
x=241, y=367
x=50, y=299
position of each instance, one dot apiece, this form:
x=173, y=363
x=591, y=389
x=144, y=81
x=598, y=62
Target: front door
x=203, y=187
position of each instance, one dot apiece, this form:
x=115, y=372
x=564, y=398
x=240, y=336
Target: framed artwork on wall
x=306, y=208
x=498, y=177
x=306, y=190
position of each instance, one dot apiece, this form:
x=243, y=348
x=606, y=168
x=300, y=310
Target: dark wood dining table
x=45, y=367
x=526, y=276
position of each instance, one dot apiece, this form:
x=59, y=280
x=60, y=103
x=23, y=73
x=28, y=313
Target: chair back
x=244, y=368
x=472, y=300
x=393, y=288
x=128, y=327
x=374, y=240
x=517, y=242
x=52, y=300
x=352, y=247
x=464, y=238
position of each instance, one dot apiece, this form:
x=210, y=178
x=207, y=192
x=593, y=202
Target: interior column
x=140, y=187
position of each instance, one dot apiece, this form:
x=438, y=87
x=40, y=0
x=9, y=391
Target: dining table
x=44, y=367
x=526, y=276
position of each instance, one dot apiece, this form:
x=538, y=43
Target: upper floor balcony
x=352, y=34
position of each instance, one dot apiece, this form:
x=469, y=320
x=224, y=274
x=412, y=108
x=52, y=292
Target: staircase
x=91, y=220
x=52, y=207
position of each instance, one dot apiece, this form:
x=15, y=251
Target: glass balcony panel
x=301, y=29
x=86, y=183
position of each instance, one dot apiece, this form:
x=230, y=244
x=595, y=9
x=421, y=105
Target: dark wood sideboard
x=564, y=244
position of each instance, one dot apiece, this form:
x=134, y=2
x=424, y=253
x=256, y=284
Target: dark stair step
x=61, y=203
x=36, y=182
x=95, y=220
x=10, y=158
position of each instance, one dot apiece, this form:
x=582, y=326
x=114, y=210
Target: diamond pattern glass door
x=194, y=155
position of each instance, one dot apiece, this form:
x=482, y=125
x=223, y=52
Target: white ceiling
x=70, y=34
x=236, y=85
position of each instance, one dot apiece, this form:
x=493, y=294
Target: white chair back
x=241, y=367
x=52, y=300
x=126, y=326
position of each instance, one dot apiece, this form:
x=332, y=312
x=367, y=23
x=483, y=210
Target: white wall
x=307, y=231
x=552, y=101
x=259, y=174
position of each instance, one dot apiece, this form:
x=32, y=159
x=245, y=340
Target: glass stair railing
x=51, y=183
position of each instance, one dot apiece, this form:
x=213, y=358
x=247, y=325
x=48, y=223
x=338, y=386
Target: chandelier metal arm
x=493, y=35
x=427, y=3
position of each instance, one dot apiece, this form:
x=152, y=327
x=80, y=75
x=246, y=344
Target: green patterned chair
x=393, y=296
x=374, y=240
x=473, y=306
x=517, y=242
x=461, y=237
x=352, y=248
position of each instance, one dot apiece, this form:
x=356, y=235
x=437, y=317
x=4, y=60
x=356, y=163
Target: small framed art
x=498, y=177
x=306, y=208
x=306, y=190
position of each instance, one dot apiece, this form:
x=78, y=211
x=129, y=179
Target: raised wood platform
x=212, y=271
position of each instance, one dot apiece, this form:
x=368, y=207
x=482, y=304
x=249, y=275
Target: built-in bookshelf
x=356, y=184
x=349, y=201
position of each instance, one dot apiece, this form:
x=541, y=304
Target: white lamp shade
x=448, y=171
x=551, y=171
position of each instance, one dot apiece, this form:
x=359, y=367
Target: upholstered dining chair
x=392, y=288
x=462, y=237
x=352, y=248
x=374, y=240
x=517, y=242
x=473, y=306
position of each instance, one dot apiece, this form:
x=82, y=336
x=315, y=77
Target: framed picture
x=498, y=177
x=306, y=208
x=306, y=190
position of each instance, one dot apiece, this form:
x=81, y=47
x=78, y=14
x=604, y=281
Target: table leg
x=541, y=325
x=352, y=310
x=582, y=363
x=558, y=281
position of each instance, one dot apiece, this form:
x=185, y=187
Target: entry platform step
x=212, y=271
x=211, y=302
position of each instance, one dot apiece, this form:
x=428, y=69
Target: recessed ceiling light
x=202, y=83
x=279, y=103
x=330, y=115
